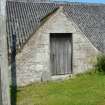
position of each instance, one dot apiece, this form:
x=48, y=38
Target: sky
x=88, y=1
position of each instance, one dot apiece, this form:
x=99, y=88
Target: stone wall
x=33, y=63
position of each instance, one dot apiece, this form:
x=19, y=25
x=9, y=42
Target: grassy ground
x=88, y=89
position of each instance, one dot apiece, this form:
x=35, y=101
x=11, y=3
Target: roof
x=91, y=20
x=23, y=19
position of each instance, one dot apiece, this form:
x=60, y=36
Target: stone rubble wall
x=33, y=63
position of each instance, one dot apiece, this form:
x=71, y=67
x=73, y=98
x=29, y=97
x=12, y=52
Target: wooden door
x=60, y=45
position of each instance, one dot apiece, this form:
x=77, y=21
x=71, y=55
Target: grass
x=87, y=89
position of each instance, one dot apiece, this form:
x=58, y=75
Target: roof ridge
x=33, y=1
x=78, y=3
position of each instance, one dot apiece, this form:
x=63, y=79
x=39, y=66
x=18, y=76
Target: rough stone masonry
x=34, y=60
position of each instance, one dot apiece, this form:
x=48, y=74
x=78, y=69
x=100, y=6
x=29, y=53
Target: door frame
x=71, y=35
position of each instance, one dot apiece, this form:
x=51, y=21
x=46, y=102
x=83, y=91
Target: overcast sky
x=89, y=1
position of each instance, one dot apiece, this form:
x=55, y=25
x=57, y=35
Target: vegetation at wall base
x=100, y=64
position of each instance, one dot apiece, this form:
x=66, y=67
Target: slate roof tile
x=91, y=20
x=23, y=18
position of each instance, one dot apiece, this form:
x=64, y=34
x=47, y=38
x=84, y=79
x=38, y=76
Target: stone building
x=53, y=41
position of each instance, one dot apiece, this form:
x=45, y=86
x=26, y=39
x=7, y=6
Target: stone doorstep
x=61, y=77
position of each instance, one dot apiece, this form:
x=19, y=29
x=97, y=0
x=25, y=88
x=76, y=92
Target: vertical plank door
x=60, y=52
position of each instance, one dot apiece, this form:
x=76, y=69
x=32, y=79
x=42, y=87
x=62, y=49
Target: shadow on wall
x=13, y=71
